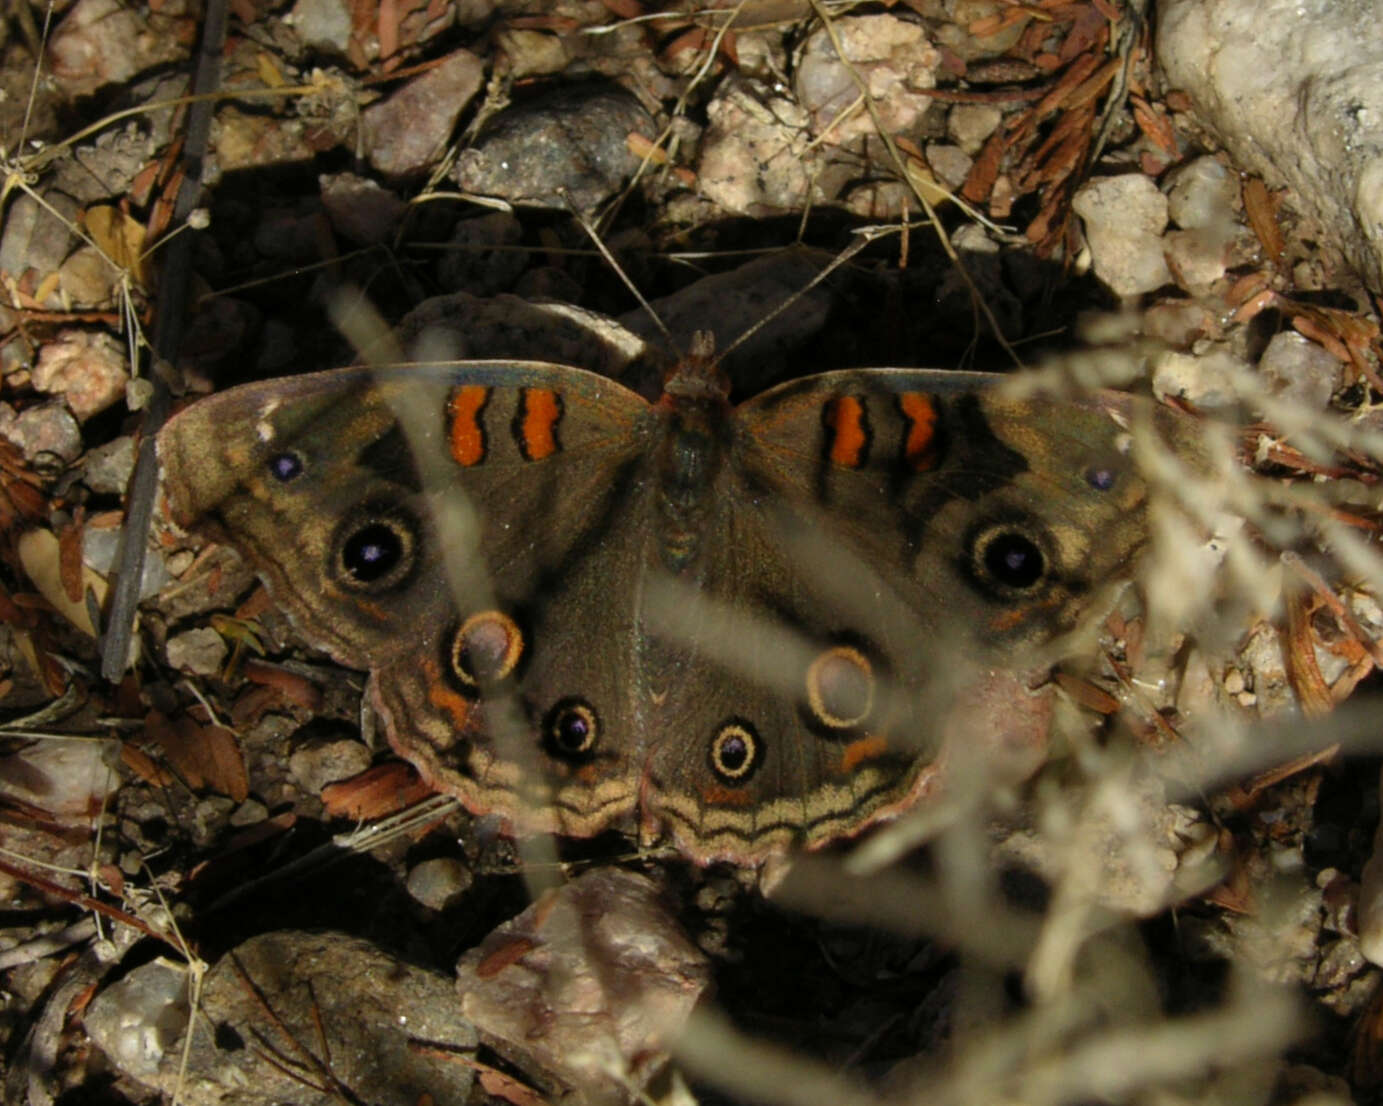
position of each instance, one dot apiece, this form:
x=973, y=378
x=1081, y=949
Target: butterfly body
x=742, y=625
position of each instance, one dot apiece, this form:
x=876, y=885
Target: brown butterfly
x=741, y=625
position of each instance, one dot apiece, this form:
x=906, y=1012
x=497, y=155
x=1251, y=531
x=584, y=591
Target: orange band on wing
x=540, y=411
x=857, y=752
x=919, y=447
x=464, y=429
x=726, y=796
x=845, y=422
x=458, y=707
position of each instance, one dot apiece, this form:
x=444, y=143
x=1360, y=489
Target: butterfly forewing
x=337, y=496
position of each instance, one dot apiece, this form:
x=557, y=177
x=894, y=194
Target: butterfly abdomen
x=688, y=463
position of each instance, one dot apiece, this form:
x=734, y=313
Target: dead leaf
x=205, y=756
x=70, y=559
x=120, y=237
x=1262, y=215
x=384, y=789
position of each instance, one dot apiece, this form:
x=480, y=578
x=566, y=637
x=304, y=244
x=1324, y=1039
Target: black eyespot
x=735, y=752
x=376, y=549
x=571, y=729
x=482, y=651
x=1011, y=559
x=1101, y=478
x=285, y=467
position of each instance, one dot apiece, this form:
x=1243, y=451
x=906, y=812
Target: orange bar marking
x=849, y=435
x=726, y=796
x=919, y=448
x=442, y=697
x=857, y=752
x=541, y=412
x=467, y=433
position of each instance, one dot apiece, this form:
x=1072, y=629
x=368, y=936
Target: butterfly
x=744, y=627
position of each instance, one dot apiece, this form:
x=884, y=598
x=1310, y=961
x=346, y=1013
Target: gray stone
x=47, y=428
x=951, y=164
x=136, y=1020
x=569, y=147
x=317, y=764
x=34, y=237
x=361, y=210
x=331, y=995
x=756, y=155
x=407, y=133
x=101, y=42
x=107, y=468
x=1201, y=193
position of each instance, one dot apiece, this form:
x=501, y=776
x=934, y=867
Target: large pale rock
x=1294, y=89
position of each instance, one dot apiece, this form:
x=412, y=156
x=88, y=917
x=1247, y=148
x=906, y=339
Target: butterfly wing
x=463, y=533
x=894, y=540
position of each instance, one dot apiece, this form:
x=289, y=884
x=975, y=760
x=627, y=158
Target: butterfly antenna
x=594, y=236
x=864, y=236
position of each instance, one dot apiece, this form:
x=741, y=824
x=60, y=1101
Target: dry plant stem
x=168, y=329
x=900, y=167
x=48, y=887
x=320, y=1067
x=1337, y=607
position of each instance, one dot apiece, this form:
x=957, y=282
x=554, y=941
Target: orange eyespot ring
x=485, y=649
x=735, y=751
x=840, y=687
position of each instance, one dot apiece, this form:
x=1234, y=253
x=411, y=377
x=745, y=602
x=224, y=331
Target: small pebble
x=87, y=368
x=1124, y=219
x=970, y=125
x=107, y=468
x=1201, y=194
x=249, y=813
x=1299, y=371
x=407, y=133
x=319, y=763
x=47, y=428
x=200, y=652
x=439, y=882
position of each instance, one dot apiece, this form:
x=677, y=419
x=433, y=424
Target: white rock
x=1299, y=371
x=1124, y=220
x=87, y=368
x=1294, y=89
x=891, y=55
x=200, y=651
x=971, y=124
x=1200, y=194
x=323, y=24
x=756, y=154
